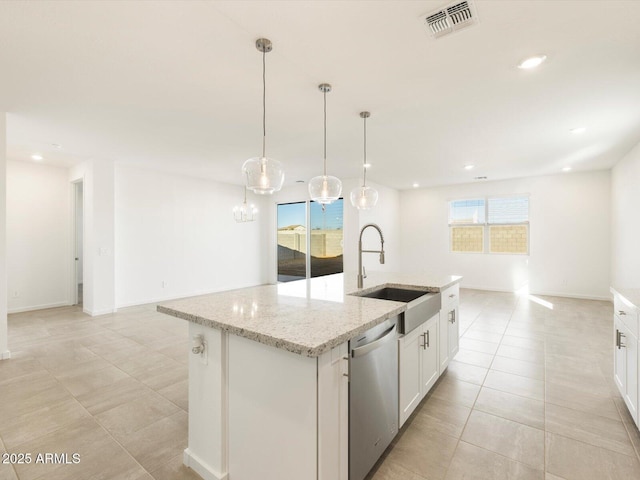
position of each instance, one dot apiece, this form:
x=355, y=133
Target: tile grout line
x=471, y=409
x=97, y=423
x=51, y=374
x=13, y=468
x=459, y=439
x=627, y=428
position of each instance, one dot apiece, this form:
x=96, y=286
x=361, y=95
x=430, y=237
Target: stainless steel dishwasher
x=373, y=396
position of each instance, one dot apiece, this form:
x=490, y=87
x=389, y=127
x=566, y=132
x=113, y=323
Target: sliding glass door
x=325, y=242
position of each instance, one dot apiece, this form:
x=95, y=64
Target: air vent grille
x=449, y=19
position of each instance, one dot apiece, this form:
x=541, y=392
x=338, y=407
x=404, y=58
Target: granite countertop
x=631, y=295
x=307, y=317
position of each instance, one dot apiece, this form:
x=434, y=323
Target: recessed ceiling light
x=578, y=130
x=416, y=185
x=367, y=165
x=469, y=167
x=36, y=157
x=566, y=169
x=532, y=62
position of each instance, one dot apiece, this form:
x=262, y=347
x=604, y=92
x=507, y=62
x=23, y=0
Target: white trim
x=197, y=465
x=5, y=355
x=95, y=313
x=30, y=308
x=73, y=289
x=147, y=301
x=546, y=294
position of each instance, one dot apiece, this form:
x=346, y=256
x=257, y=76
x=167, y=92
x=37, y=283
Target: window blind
x=507, y=210
x=467, y=212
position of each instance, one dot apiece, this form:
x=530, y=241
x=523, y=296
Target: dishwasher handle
x=384, y=338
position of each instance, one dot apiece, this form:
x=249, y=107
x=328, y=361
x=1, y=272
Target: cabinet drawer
x=627, y=313
x=450, y=295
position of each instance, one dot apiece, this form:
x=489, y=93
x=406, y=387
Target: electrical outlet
x=15, y=294
x=164, y=284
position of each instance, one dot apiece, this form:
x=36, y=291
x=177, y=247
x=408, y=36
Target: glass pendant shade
x=245, y=212
x=264, y=175
x=364, y=198
x=325, y=189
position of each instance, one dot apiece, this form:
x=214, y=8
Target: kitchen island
x=268, y=394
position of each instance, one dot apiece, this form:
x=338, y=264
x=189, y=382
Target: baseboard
x=544, y=293
x=37, y=307
x=147, y=301
x=95, y=313
x=5, y=355
x=201, y=468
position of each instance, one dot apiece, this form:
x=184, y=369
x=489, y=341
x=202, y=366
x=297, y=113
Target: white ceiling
x=177, y=86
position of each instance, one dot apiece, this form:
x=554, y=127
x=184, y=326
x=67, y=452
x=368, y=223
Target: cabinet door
x=454, y=331
x=619, y=357
x=443, y=341
x=333, y=414
x=631, y=395
x=409, y=352
x=429, y=353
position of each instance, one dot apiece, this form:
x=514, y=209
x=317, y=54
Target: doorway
x=78, y=238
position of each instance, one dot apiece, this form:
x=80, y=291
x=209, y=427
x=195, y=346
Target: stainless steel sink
x=395, y=294
x=421, y=305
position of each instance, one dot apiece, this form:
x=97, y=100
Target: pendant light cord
x=245, y=189
x=264, y=104
x=325, y=133
x=364, y=164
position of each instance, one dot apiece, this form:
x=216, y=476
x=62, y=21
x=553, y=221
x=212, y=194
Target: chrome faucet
x=361, y=272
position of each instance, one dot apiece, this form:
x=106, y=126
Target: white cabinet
x=626, y=365
x=626, y=362
x=619, y=357
x=430, y=370
x=333, y=414
x=257, y=411
x=409, y=375
x=418, y=366
x=454, y=330
x=443, y=341
x=449, y=331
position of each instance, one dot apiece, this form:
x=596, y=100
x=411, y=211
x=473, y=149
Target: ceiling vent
x=450, y=18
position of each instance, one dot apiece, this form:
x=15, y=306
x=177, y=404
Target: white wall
x=38, y=228
x=569, y=236
x=181, y=231
x=98, y=246
x=386, y=215
x=4, y=348
x=625, y=221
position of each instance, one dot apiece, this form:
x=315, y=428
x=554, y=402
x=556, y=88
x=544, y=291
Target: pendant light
x=264, y=175
x=324, y=188
x=245, y=213
x=364, y=198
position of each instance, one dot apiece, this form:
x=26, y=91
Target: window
x=325, y=242
x=493, y=225
x=292, y=241
x=326, y=238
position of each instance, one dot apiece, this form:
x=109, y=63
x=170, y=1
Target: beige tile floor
x=112, y=388
x=529, y=396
